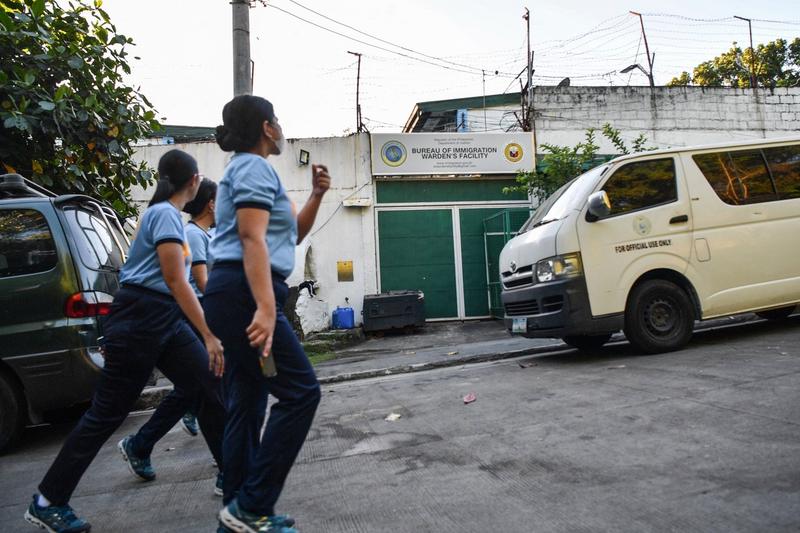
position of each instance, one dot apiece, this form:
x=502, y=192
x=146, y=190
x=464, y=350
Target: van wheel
x=12, y=412
x=777, y=314
x=587, y=343
x=659, y=317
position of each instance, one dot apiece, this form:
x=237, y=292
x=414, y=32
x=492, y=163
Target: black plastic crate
x=394, y=310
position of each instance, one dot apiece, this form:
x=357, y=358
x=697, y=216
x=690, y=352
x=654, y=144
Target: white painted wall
x=340, y=233
x=668, y=116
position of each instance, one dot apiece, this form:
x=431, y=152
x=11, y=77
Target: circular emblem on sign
x=393, y=154
x=513, y=152
x=512, y=266
x=642, y=225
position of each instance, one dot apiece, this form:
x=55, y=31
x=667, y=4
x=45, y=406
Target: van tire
x=777, y=314
x=659, y=317
x=587, y=343
x=12, y=412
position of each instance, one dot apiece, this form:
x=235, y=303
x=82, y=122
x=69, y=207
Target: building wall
x=668, y=116
x=340, y=232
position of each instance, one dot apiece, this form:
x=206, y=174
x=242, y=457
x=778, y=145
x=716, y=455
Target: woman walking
x=206, y=402
x=254, y=248
x=146, y=328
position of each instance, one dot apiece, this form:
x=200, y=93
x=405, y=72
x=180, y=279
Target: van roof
x=735, y=144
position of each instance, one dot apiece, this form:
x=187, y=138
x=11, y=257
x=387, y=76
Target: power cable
x=435, y=58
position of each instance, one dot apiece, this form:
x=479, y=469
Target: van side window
x=738, y=178
x=641, y=185
x=26, y=244
x=784, y=163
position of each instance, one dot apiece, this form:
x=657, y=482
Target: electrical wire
x=474, y=70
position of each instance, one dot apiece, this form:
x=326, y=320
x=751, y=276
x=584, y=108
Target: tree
x=777, y=64
x=562, y=163
x=67, y=119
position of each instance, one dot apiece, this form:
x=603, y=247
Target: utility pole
x=359, y=123
x=242, y=68
x=752, y=52
x=650, y=58
x=483, y=78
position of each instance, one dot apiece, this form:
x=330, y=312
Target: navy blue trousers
x=205, y=403
x=144, y=330
x=256, y=466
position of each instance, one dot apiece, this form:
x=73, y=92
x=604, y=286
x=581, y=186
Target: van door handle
x=679, y=219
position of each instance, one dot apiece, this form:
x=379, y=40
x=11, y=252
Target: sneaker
x=218, y=485
x=139, y=466
x=56, y=519
x=189, y=424
x=234, y=518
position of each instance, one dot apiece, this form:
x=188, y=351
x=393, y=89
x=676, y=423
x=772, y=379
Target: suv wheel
x=12, y=412
x=777, y=314
x=587, y=343
x=659, y=317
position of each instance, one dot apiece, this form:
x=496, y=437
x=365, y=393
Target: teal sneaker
x=139, y=466
x=236, y=519
x=189, y=424
x=56, y=519
x=218, y=485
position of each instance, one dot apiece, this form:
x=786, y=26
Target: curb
x=152, y=396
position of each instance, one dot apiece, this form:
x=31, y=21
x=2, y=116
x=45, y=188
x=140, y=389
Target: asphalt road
x=705, y=439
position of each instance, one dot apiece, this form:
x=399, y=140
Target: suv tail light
x=88, y=304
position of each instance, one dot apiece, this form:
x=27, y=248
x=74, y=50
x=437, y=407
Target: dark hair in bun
x=205, y=193
x=242, y=118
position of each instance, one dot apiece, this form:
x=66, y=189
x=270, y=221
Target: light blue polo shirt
x=160, y=223
x=198, y=240
x=250, y=181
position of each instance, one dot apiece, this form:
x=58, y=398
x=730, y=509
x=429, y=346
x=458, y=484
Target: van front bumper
x=556, y=309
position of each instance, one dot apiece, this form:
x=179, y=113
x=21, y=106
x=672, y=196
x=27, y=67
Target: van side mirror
x=599, y=206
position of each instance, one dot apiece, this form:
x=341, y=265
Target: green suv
x=59, y=269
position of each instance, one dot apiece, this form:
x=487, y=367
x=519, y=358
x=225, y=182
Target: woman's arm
x=253, y=223
x=200, y=276
x=170, y=256
x=321, y=182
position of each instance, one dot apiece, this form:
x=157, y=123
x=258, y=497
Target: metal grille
x=522, y=308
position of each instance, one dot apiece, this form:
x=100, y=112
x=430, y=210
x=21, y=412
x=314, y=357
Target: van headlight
x=559, y=267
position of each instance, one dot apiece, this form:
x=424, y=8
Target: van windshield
x=568, y=198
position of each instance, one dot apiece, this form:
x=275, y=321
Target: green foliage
x=67, y=118
x=776, y=64
x=562, y=163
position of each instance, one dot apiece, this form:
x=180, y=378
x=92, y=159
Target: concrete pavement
x=705, y=439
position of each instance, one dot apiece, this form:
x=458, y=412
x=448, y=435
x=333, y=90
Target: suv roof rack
x=15, y=186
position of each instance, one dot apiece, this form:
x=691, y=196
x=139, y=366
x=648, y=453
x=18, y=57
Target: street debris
x=393, y=416
x=469, y=398
x=616, y=367
x=452, y=353
x=525, y=364
x=170, y=449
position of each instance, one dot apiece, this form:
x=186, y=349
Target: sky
x=415, y=51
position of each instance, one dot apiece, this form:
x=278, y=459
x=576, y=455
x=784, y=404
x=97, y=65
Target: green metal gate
x=498, y=229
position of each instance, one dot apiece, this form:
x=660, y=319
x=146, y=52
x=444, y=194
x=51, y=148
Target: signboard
x=404, y=154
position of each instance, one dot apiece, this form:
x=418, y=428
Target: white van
x=648, y=243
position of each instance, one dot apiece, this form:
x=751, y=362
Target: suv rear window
x=26, y=244
x=93, y=240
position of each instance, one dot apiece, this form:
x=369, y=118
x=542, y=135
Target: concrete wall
x=340, y=233
x=668, y=116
